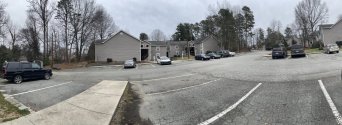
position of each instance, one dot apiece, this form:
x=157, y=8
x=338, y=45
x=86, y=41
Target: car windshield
x=164, y=58
x=171, y=62
x=332, y=45
x=297, y=47
x=129, y=61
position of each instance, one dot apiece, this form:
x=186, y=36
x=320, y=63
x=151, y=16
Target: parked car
x=202, y=57
x=20, y=71
x=279, y=51
x=223, y=53
x=213, y=56
x=231, y=54
x=130, y=64
x=297, y=50
x=164, y=60
x=331, y=48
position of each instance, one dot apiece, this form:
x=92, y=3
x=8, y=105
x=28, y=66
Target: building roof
x=178, y=42
x=121, y=31
x=99, y=41
x=329, y=26
x=157, y=43
x=199, y=41
x=326, y=25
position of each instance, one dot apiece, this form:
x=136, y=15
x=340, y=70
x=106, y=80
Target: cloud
x=138, y=16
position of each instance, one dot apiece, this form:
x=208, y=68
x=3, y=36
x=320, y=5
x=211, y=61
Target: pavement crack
x=86, y=108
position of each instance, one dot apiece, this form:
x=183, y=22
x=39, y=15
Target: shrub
x=109, y=60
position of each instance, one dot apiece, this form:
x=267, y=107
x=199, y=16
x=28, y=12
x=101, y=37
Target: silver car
x=129, y=64
x=164, y=60
x=331, y=48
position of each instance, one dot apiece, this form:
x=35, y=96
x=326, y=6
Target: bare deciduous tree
x=3, y=20
x=276, y=25
x=104, y=23
x=309, y=14
x=157, y=35
x=64, y=9
x=44, y=10
x=13, y=32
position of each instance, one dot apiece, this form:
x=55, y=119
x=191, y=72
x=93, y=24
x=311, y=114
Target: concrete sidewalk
x=94, y=106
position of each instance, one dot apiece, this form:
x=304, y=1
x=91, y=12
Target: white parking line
x=174, y=90
x=211, y=120
x=331, y=103
x=164, y=78
x=153, y=65
x=39, y=89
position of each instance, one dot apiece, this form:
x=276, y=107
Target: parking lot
x=250, y=88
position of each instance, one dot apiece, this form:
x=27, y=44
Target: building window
x=177, y=52
x=158, y=48
x=146, y=45
x=176, y=47
x=157, y=54
x=142, y=46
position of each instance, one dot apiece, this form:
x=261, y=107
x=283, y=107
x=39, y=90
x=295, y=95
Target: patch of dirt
x=127, y=112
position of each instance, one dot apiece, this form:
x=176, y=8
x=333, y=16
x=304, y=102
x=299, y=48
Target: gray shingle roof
x=157, y=43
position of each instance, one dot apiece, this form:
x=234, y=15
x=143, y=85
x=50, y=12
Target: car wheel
x=18, y=79
x=47, y=76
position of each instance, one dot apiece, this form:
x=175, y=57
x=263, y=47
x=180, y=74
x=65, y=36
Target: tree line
x=55, y=32
x=232, y=29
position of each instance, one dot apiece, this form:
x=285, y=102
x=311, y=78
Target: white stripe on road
x=174, y=90
x=40, y=89
x=211, y=120
x=153, y=65
x=331, y=103
x=164, y=78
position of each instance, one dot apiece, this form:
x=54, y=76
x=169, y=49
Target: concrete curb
x=95, y=106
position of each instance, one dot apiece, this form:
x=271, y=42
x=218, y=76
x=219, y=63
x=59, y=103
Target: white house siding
x=120, y=48
x=158, y=50
x=333, y=34
x=208, y=44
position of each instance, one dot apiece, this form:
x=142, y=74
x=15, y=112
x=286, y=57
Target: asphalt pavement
x=247, y=89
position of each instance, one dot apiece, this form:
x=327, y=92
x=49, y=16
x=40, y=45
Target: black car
x=20, y=71
x=213, y=56
x=202, y=57
x=279, y=51
x=297, y=50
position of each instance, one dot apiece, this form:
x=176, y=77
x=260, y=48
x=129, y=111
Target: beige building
x=331, y=33
x=206, y=44
x=158, y=48
x=120, y=47
x=179, y=48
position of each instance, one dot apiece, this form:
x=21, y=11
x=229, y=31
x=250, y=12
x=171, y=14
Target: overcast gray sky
x=136, y=16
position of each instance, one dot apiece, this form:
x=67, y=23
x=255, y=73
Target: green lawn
x=313, y=51
x=8, y=111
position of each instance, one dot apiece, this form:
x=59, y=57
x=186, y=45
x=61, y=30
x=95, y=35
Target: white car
x=231, y=53
x=164, y=60
x=331, y=48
